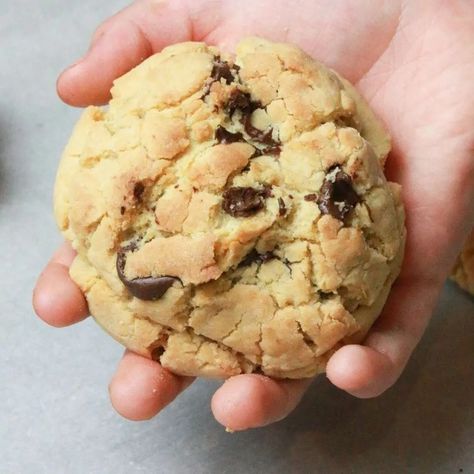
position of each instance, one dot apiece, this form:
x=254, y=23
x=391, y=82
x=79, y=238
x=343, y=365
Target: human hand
x=414, y=62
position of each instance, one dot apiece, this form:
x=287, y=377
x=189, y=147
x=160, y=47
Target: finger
x=118, y=45
x=142, y=387
x=57, y=300
x=252, y=400
x=368, y=370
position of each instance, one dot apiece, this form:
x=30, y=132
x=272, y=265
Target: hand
x=414, y=62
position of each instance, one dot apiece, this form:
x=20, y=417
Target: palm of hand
x=414, y=65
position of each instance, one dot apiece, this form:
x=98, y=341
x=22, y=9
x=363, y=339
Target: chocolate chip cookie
x=230, y=214
x=463, y=271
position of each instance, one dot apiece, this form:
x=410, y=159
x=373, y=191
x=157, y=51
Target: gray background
x=55, y=416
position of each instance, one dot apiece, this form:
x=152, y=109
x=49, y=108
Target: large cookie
x=231, y=214
x=463, y=271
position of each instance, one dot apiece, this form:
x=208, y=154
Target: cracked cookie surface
x=230, y=214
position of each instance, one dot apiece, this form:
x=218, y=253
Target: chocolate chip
x=244, y=202
x=224, y=136
x=265, y=137
x=138, y=191
x=222, y=70
x=255, y=257
x=122, y=210
x=266, y=191
x=281, y=207
x=144, y=288
x=272, y=150
x=150, y=288
x=269, y=150
x=337, y=196
x=255, y=133
x=242, y=101
x=121, y=259
x=311, y=197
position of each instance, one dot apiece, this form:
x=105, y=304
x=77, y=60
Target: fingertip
x=361, y=371
x=253, y=400
x=141, y=387
x=132, y=394
x=239, y=403
x=74, y=88
x=57, y=300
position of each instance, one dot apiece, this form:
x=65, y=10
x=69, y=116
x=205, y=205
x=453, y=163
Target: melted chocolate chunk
x=241, y=101
x=222, y=70
x=149, y=288
x=256, y=134
x=337, y=196
x=244, y=202
x=258, y=258
x=266, y=191
x=269, y=150
x=311, y=197
x=138, y=191
x=265, y=137
x=272, y=150
x=281, y=207
x=122, y=210
x=144, y=288
x=224, y=136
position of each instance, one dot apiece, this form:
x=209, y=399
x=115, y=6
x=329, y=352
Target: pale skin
x=414, y=63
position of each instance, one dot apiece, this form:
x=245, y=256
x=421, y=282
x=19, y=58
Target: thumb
x=118, y=45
